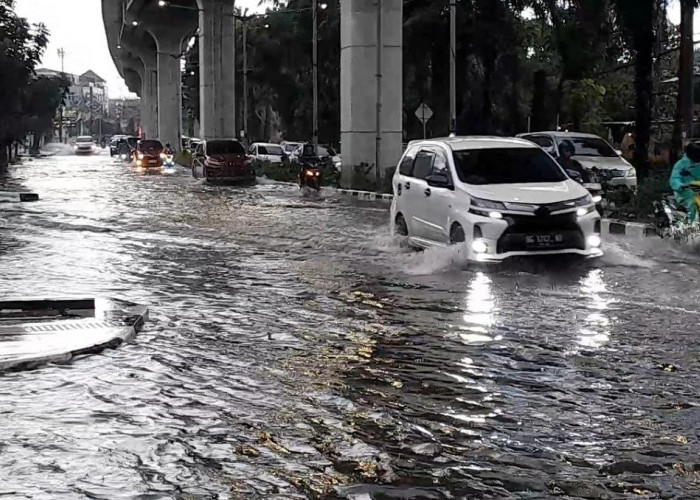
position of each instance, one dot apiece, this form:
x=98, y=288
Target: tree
x=40, y=101
x=637, y=18
x=21, y=47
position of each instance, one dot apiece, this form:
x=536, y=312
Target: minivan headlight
x=487, y=204
x=583, y=201
x=632, y=172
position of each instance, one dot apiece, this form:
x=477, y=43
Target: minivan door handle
x=427, y=191
x=408, y=185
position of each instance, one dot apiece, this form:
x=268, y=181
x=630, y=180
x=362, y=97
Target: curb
x=609, y=226
x=366, y=195
x=11, y=197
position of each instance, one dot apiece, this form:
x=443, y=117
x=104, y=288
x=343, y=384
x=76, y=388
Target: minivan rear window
x=506, y=166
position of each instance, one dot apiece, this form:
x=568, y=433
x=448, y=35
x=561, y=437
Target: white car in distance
x=84, y=145
x=592, y=151
x=502, y=197
x=274, y=153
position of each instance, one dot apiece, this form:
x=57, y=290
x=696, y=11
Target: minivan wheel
x=400, y=227
x=456, y=234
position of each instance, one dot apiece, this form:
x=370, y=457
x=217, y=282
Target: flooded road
x=295, y=351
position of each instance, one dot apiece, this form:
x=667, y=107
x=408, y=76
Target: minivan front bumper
x=496, y=240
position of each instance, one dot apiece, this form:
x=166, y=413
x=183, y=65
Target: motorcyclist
x=567, y=162
x=308, y=159
x=685, y=171
x=124, y=148
x=168, y=150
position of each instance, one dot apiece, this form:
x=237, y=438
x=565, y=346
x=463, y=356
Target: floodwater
x=296, y=351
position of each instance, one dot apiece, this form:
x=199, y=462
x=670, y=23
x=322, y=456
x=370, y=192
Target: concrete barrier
x=14, y=197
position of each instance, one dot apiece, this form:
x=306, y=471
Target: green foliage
x=639, y=205
x=21, y=47
x=40, y=101
x=183, y=158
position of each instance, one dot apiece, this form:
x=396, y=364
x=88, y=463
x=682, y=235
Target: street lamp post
x=453, y=66
x=245, y=79
x=314, y=63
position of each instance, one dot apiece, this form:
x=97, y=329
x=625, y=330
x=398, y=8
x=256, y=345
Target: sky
x=76, y=26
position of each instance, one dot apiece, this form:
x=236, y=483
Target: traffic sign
x=424, y=113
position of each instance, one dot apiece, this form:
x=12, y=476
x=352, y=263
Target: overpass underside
x=147, y=41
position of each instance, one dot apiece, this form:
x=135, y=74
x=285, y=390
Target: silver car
x=591, y=151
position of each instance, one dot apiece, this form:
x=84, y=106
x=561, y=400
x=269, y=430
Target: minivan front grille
x=546, y=232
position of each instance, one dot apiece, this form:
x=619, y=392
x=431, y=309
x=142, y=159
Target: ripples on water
x=297, y=351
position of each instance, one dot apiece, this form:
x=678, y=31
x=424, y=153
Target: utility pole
x=378, y=136
x=314, y=63
x=92, y=121
x=245, y=78
x=453, y=66
x=687, y=66
x=62, y=55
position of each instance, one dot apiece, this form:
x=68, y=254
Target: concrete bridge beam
x=358, y=89
x=217, y=70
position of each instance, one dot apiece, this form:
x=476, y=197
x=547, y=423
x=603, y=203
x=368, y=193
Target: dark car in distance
x=223, y=161
x=148, y=154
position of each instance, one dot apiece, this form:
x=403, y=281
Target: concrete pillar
x=358, y=89
x=149, y=101
x=169, y=44
x=149, y=86
x=217, y=84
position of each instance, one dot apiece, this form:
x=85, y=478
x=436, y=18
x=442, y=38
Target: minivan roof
x=563, y=135
x=478, y=142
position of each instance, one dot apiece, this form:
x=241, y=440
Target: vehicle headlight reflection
x=481, y=306
x=595, y=331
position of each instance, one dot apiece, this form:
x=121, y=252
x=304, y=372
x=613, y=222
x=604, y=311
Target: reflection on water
x=595, y=332
x=481, y=307
x=295, y=351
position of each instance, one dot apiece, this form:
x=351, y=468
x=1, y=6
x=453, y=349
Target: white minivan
x=503, y=197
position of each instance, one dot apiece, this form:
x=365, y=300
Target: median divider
x=14, y=197
x=609, y=226
x=366, y=195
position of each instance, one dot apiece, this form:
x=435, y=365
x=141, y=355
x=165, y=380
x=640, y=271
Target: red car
x=148, y=154
x=223, y=161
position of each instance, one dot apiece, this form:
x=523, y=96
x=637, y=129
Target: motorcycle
x=168, y=160
x=310, y=176
x=671, y=217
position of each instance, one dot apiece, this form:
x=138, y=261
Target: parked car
x=503, y=197
x=591, y=151
x=223, y=161
x=274, y=153
x=84, y=145
x=148, y=154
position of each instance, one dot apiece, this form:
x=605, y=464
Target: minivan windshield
x=84, y=138
x=506, y=166
x=290, y=146
x=590, y=146
x=225, y=148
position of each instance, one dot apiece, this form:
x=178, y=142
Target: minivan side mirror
x=618, y=152
x=438, y=180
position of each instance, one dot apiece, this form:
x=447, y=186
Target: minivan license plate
x=544, y=240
